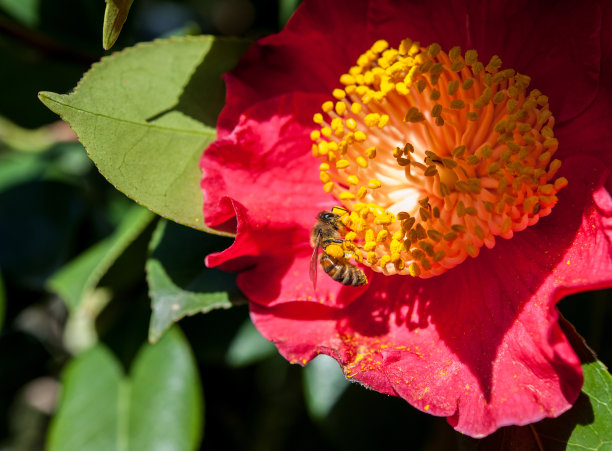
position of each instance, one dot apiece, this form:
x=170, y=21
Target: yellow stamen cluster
x=434, y=155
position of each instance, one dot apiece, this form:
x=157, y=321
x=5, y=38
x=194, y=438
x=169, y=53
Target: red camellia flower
x=473, y=194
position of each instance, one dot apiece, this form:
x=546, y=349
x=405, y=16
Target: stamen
x=433, y=155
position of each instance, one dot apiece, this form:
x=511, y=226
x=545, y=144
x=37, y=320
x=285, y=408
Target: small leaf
x=114, y=17
x=87, y=414
x=324, y=383
x=248, y=347
x=179, y=283
x=81, y=275
x=147, y=113
x=285, y=10
x=166, y=397
x=159, y=407
x=25, y=11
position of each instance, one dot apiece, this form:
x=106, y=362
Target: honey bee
x=326, y=231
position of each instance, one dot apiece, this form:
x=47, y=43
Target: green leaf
x=79, y=277
x=145, y=116
x=166, y=400
x=159, y=407
x=248, y=347
x=114, y=17
x=324, y=383
x=285, y=10
x=25, y=11
x=87, y=414
x=179, y=283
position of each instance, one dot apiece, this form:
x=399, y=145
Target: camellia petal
x=478, y=341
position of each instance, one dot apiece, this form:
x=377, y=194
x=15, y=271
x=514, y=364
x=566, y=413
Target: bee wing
x=314, y=264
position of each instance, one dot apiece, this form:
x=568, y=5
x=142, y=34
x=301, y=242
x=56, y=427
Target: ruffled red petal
x=479, y=344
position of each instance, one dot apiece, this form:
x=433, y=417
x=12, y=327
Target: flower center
x=433, y=155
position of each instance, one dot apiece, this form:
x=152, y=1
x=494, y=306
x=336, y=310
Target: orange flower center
x=433, y=155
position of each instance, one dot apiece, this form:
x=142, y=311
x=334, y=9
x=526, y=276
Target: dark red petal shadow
x=556, y=43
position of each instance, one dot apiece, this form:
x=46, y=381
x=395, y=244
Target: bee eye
x=328, y=215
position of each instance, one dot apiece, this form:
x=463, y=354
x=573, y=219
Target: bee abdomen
x=343, y=272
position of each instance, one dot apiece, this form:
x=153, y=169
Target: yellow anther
x=356, y=108
x=371, y=119
x=457, y=104
x=323, y=147
x=353, y=180
x=315, y=135
x=326, y=131
x=382, y=236
x=328, y=187
x=360, y=136
x=324, y=167
x=380, y=46
x=494, y=64
x=414, y=270
x=454, y=53
x=347, y=196
x=324, y=176
x=384, y=120
x=384, y=260
x=340, y=108
x=336, y=123
x=347, y=79
x=339, y=94
x=561, y=182
x=371, y=152
x=327, y=106
x=395, y=246
x=433, y=50
x=369, y=246
x=342, y=164
x=372, y=258
x=361, y=162
x=398, y=236
x=401, y=88
x=405, y=46
x=471, y=56
x=350, y=236
x=351, y=124
x=499, y=97
x=471, y=250
x=374, y=184
x=317, y=118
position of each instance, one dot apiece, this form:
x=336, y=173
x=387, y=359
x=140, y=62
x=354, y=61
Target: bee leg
x=329, y=241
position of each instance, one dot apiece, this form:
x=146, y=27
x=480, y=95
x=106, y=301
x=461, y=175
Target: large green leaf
x=179, y=283
x=75, y=280
x=145, y=115
x=159, y=407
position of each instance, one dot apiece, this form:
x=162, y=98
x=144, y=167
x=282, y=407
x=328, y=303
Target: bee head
x=327, y=216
